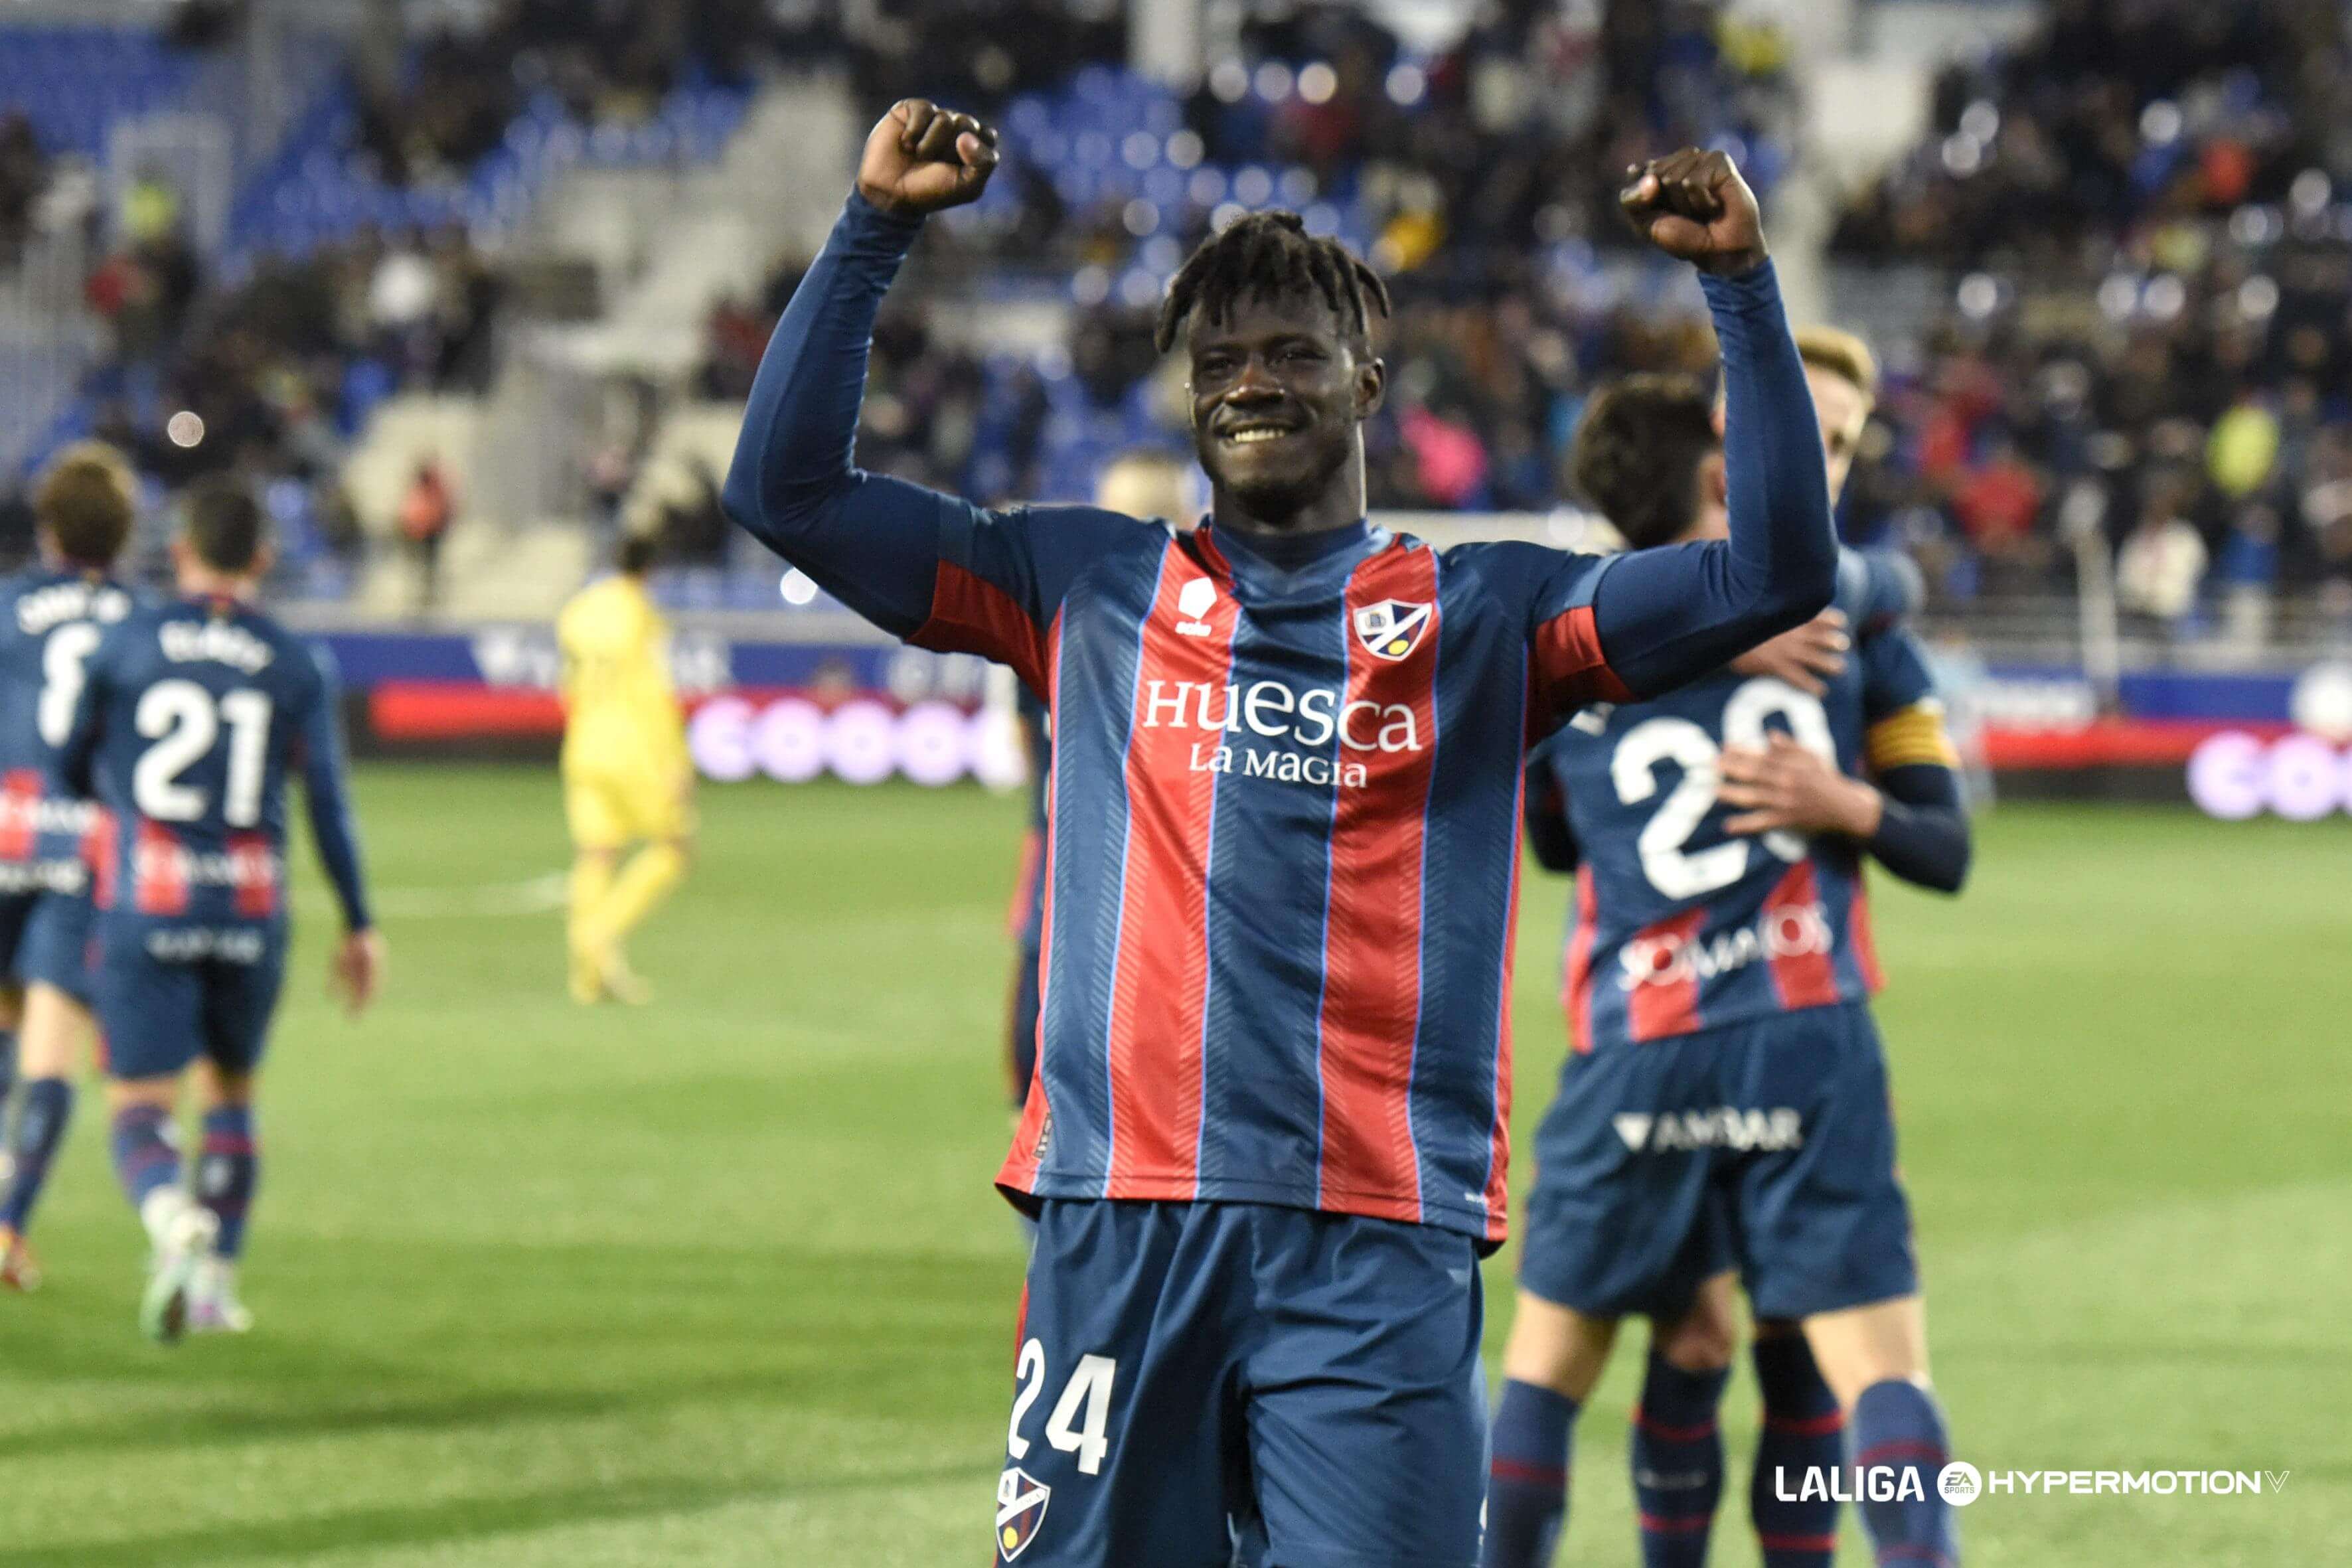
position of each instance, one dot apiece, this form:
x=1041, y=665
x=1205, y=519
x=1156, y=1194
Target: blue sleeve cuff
x=862, y=216
x=1750, y=291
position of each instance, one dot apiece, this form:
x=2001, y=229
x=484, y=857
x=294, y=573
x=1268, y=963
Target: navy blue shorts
x=1767, y=1146
x=166, y=995
x=1201, y=1384
x=45, y=936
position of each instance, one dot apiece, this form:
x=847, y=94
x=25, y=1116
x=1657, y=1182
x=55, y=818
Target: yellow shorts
x=608, y=809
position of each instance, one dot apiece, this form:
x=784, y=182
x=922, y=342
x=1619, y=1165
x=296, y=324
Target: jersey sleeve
x=931, y=568
x=1880, y=589
x=1903, y=717
x=1923, y=833
x=1667, y=615
x=318, y=752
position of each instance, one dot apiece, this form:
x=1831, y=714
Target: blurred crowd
x=429, y=114
x=2137, y=224
x=24, y=175
x=1446, y=166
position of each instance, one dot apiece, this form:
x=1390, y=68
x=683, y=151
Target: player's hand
x=356, y=969
x=1807, y=659
x=922, y=158
x=1782, y=786
x=1695, y=207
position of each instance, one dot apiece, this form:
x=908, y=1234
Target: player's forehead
x=1264, y=316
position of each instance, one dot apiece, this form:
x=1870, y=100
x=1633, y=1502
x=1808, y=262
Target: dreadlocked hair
x=1270, y=256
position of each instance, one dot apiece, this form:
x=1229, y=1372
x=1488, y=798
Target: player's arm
x=358, y=962
x=1883, y=589
x=1910, y=814
x=1544, y=807
x=1658, y=618
x=930, y=568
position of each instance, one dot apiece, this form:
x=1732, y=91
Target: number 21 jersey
x=194, y=714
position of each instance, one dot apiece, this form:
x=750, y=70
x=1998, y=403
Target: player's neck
x=204, y=583
x=1340, y=505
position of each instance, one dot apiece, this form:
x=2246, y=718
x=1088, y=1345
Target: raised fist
x=922, y=158
x=1695, y=207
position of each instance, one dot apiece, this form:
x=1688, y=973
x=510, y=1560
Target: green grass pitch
x=723, y=1282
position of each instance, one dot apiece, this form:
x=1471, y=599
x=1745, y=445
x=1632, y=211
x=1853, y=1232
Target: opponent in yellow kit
x=626, y=776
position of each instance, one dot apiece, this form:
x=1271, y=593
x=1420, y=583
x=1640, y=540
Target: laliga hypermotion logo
x=1393, y=628
x=1020, y=1501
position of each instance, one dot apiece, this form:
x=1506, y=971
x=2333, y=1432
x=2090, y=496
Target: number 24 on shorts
x=1081, y=1416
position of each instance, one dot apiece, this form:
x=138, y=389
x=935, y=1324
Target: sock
x=1526, y=1486
x=227, y=1172
x=44, y=1107
x=592, y=882
x=1897, y=1425
x=1803, y=1430
x=1677, y=1457
x=146, y=1153
x=643, y=883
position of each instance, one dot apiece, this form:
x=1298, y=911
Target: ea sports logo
x=1958, y=1483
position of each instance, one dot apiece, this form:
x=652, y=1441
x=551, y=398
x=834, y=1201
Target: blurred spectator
x=425, y=514
x=2160, y=566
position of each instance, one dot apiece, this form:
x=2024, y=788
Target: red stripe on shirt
x=1796, y=935
x=1569, y=669
x=1033, y=845
x=972, y=614
x=1372, y=918
x=1865, y=941
x=1019, y=1172
x=1666, y=1002
x=255, y=874
x=159, y=874
x=1576, y=981
x=20, y=806
x=1159, y=988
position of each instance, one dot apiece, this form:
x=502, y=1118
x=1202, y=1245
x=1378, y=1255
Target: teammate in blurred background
x=626, y=776
x=1731, y=902
x=57, y=611
x=1277, y=741
x=1146, y=484
x=191, y=716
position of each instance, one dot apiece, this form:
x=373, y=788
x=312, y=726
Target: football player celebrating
x=1265, y=1144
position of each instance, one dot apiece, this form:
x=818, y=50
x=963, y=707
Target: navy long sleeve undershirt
x=1662, y=616
x=1671, y=615
x=1923, y=835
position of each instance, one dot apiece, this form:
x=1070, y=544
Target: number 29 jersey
x=1680, y=926
x=193, y=715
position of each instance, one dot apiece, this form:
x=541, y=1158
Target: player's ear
x=1371, y=386
x=1715, y=479
x=265, y=557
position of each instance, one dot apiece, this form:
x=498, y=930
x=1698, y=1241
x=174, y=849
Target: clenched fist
x=1693, y=206
x=922, y=158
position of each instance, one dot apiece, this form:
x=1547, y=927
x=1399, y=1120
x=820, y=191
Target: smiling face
x=1279, y=396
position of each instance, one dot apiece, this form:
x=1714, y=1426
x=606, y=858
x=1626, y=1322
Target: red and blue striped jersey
x=54, y=618
x=193, y=717
x=1678, y=926
x=1281, y=858
x=1283, y=818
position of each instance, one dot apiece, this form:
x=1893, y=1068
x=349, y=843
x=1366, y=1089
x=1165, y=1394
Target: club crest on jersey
x=1020, y=1501
x=1193, y=601
x=1393, y=628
